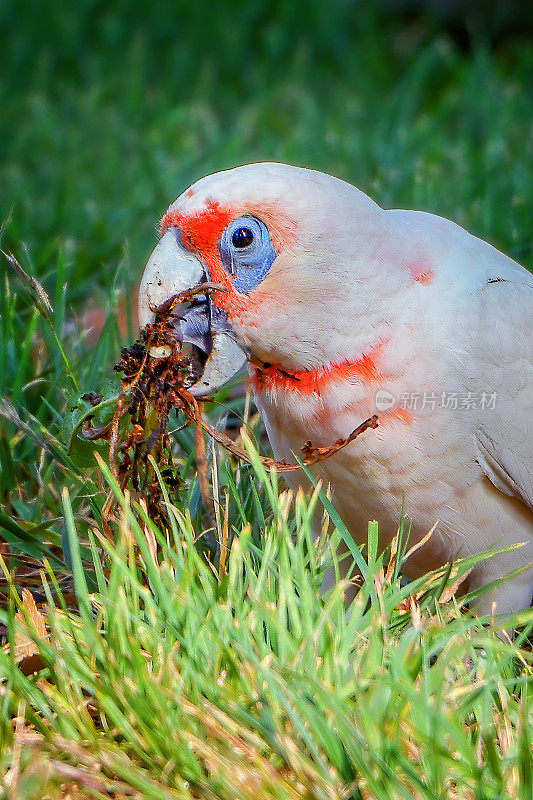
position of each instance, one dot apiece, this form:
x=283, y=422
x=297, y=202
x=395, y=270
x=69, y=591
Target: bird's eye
x=242, y=237
x=246, y=252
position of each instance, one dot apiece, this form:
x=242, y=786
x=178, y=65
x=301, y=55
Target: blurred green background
x=110, y=109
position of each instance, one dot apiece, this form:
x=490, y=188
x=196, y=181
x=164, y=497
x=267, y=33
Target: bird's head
x=292, y=249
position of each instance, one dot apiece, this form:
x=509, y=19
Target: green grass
x=176, y=680
x=167, y=676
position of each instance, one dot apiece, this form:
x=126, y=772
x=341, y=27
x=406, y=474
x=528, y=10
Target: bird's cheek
x=265, y=331
x=271, y=318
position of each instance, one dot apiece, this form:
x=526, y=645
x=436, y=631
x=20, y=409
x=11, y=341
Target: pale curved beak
x=171, y=269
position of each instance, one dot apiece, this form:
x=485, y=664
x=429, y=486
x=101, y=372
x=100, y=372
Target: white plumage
x=362, y=304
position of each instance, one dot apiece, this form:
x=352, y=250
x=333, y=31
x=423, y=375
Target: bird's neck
x=365, y=369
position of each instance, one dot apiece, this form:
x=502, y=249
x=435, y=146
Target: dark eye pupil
x=242, y=237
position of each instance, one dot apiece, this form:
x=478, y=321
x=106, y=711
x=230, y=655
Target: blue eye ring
x=242, y=237
x=246, y=252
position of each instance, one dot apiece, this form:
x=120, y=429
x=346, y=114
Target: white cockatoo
x=343, y=310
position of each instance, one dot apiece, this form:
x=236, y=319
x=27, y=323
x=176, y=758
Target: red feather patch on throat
x=316, y=381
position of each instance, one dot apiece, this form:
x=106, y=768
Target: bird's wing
x=500, y=343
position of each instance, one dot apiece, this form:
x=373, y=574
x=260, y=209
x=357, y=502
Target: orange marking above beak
x=202, y=229
x=201, y=232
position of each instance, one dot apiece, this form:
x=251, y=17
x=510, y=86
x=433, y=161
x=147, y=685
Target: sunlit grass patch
x=173, y=678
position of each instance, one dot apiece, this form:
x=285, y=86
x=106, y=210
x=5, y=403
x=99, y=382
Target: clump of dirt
x=158, y=371
x=157, y=365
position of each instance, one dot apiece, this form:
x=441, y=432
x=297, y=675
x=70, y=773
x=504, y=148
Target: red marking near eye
x=318, y=380
x=201, y=231
x=190, y=193
x=421, y=272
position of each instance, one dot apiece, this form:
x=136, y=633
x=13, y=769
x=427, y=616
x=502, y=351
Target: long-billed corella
x=343, y=309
